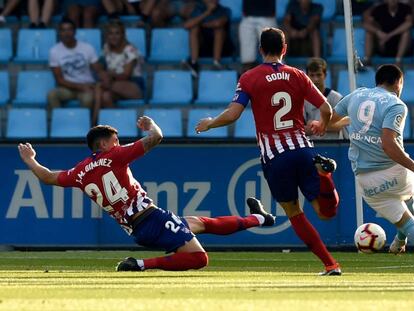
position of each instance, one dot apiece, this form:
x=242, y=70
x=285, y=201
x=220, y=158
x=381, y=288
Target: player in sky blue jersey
x=382, y=168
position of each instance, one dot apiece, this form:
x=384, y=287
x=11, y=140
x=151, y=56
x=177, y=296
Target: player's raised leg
x=326, y=204
x=225, y=225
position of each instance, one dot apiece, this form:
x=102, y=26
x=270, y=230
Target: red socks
x=328, y=198
x=308, y=234
x=178, y=261
x=228, y=224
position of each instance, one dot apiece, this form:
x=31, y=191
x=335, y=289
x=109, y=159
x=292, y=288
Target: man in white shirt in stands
x=72, y=63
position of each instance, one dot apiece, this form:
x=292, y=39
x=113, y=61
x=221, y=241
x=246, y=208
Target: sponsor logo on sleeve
x=398, y=121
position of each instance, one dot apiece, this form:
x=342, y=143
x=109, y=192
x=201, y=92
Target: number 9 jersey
x=277, y=93
x=107, y=179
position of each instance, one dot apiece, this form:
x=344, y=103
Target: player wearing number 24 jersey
x=106, y=178
x=277, y=93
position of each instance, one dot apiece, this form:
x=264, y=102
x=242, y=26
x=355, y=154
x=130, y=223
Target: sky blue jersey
x=371, y=110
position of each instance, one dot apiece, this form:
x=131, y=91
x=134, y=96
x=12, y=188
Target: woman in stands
x=124, y=66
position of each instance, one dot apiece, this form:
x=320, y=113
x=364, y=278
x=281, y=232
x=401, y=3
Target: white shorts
x=249, y=35
x=385, y=191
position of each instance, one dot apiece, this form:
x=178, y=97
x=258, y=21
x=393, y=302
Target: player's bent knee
x=200, y=260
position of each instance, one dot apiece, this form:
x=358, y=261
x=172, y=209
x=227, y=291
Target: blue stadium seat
x=70, y=122
x=329, y=9
x=338, y=49
x=169, y=45
x=235, y=7
x=4, y=88
x=169, y=120
x=172, y=87
x=194, y=116
x=216, y=87
x=407, y=95
x=130, y=18
x=244, y=126
x=32, y=87
x=124, y=120
x=407, y=128
x=33, y=45
x=91, y=36
x=129, y=103
x=27, y=122
x=363, y=78
x=6, y=47
x=137, y=37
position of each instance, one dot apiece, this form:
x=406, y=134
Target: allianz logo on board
x=247, y=180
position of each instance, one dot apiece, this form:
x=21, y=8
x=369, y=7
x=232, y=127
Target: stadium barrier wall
x=204, y=180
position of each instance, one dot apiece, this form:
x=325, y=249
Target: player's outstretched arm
x=28, y=155
x=154, y=135
x=228, y=116
x=338, y=122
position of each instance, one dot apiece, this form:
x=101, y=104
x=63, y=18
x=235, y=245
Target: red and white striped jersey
x=107, y=179
x=277, y=93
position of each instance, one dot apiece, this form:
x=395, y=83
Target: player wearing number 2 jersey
x=106, y=178
x=381, y=167
x=277, y=93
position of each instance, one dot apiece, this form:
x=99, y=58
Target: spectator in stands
x=302, y=27
x=316, y=70
x=388, y=27
x=71, y=62
x=124, y=67
x=256, y=16
x=40, y=12
x=360, y=6
x=83, y=13
x=115, y=8
x=161, y=12
x=208, y=22
x=9, y=7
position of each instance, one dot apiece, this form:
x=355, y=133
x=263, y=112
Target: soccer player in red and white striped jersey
x=106, y=178
x=277, y=93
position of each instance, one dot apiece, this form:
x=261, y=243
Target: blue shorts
x=291, y=170
x=162, y=229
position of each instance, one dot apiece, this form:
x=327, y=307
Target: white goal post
x=352, y=60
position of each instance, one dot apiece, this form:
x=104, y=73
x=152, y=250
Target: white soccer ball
x=369, y=238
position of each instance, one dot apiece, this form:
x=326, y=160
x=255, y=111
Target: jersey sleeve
x=312, y=94
x=341, y=107
x=242, y=95
x=125, y=154
x=395, y=118
x=68, y=178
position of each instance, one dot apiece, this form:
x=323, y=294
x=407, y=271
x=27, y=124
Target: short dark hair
x=315, y=64
x=67, y=20
x=388, y=74
x=272, y=41
x=97, y=133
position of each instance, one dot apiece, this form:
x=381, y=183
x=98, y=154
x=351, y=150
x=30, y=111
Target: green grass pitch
x=86, y=280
